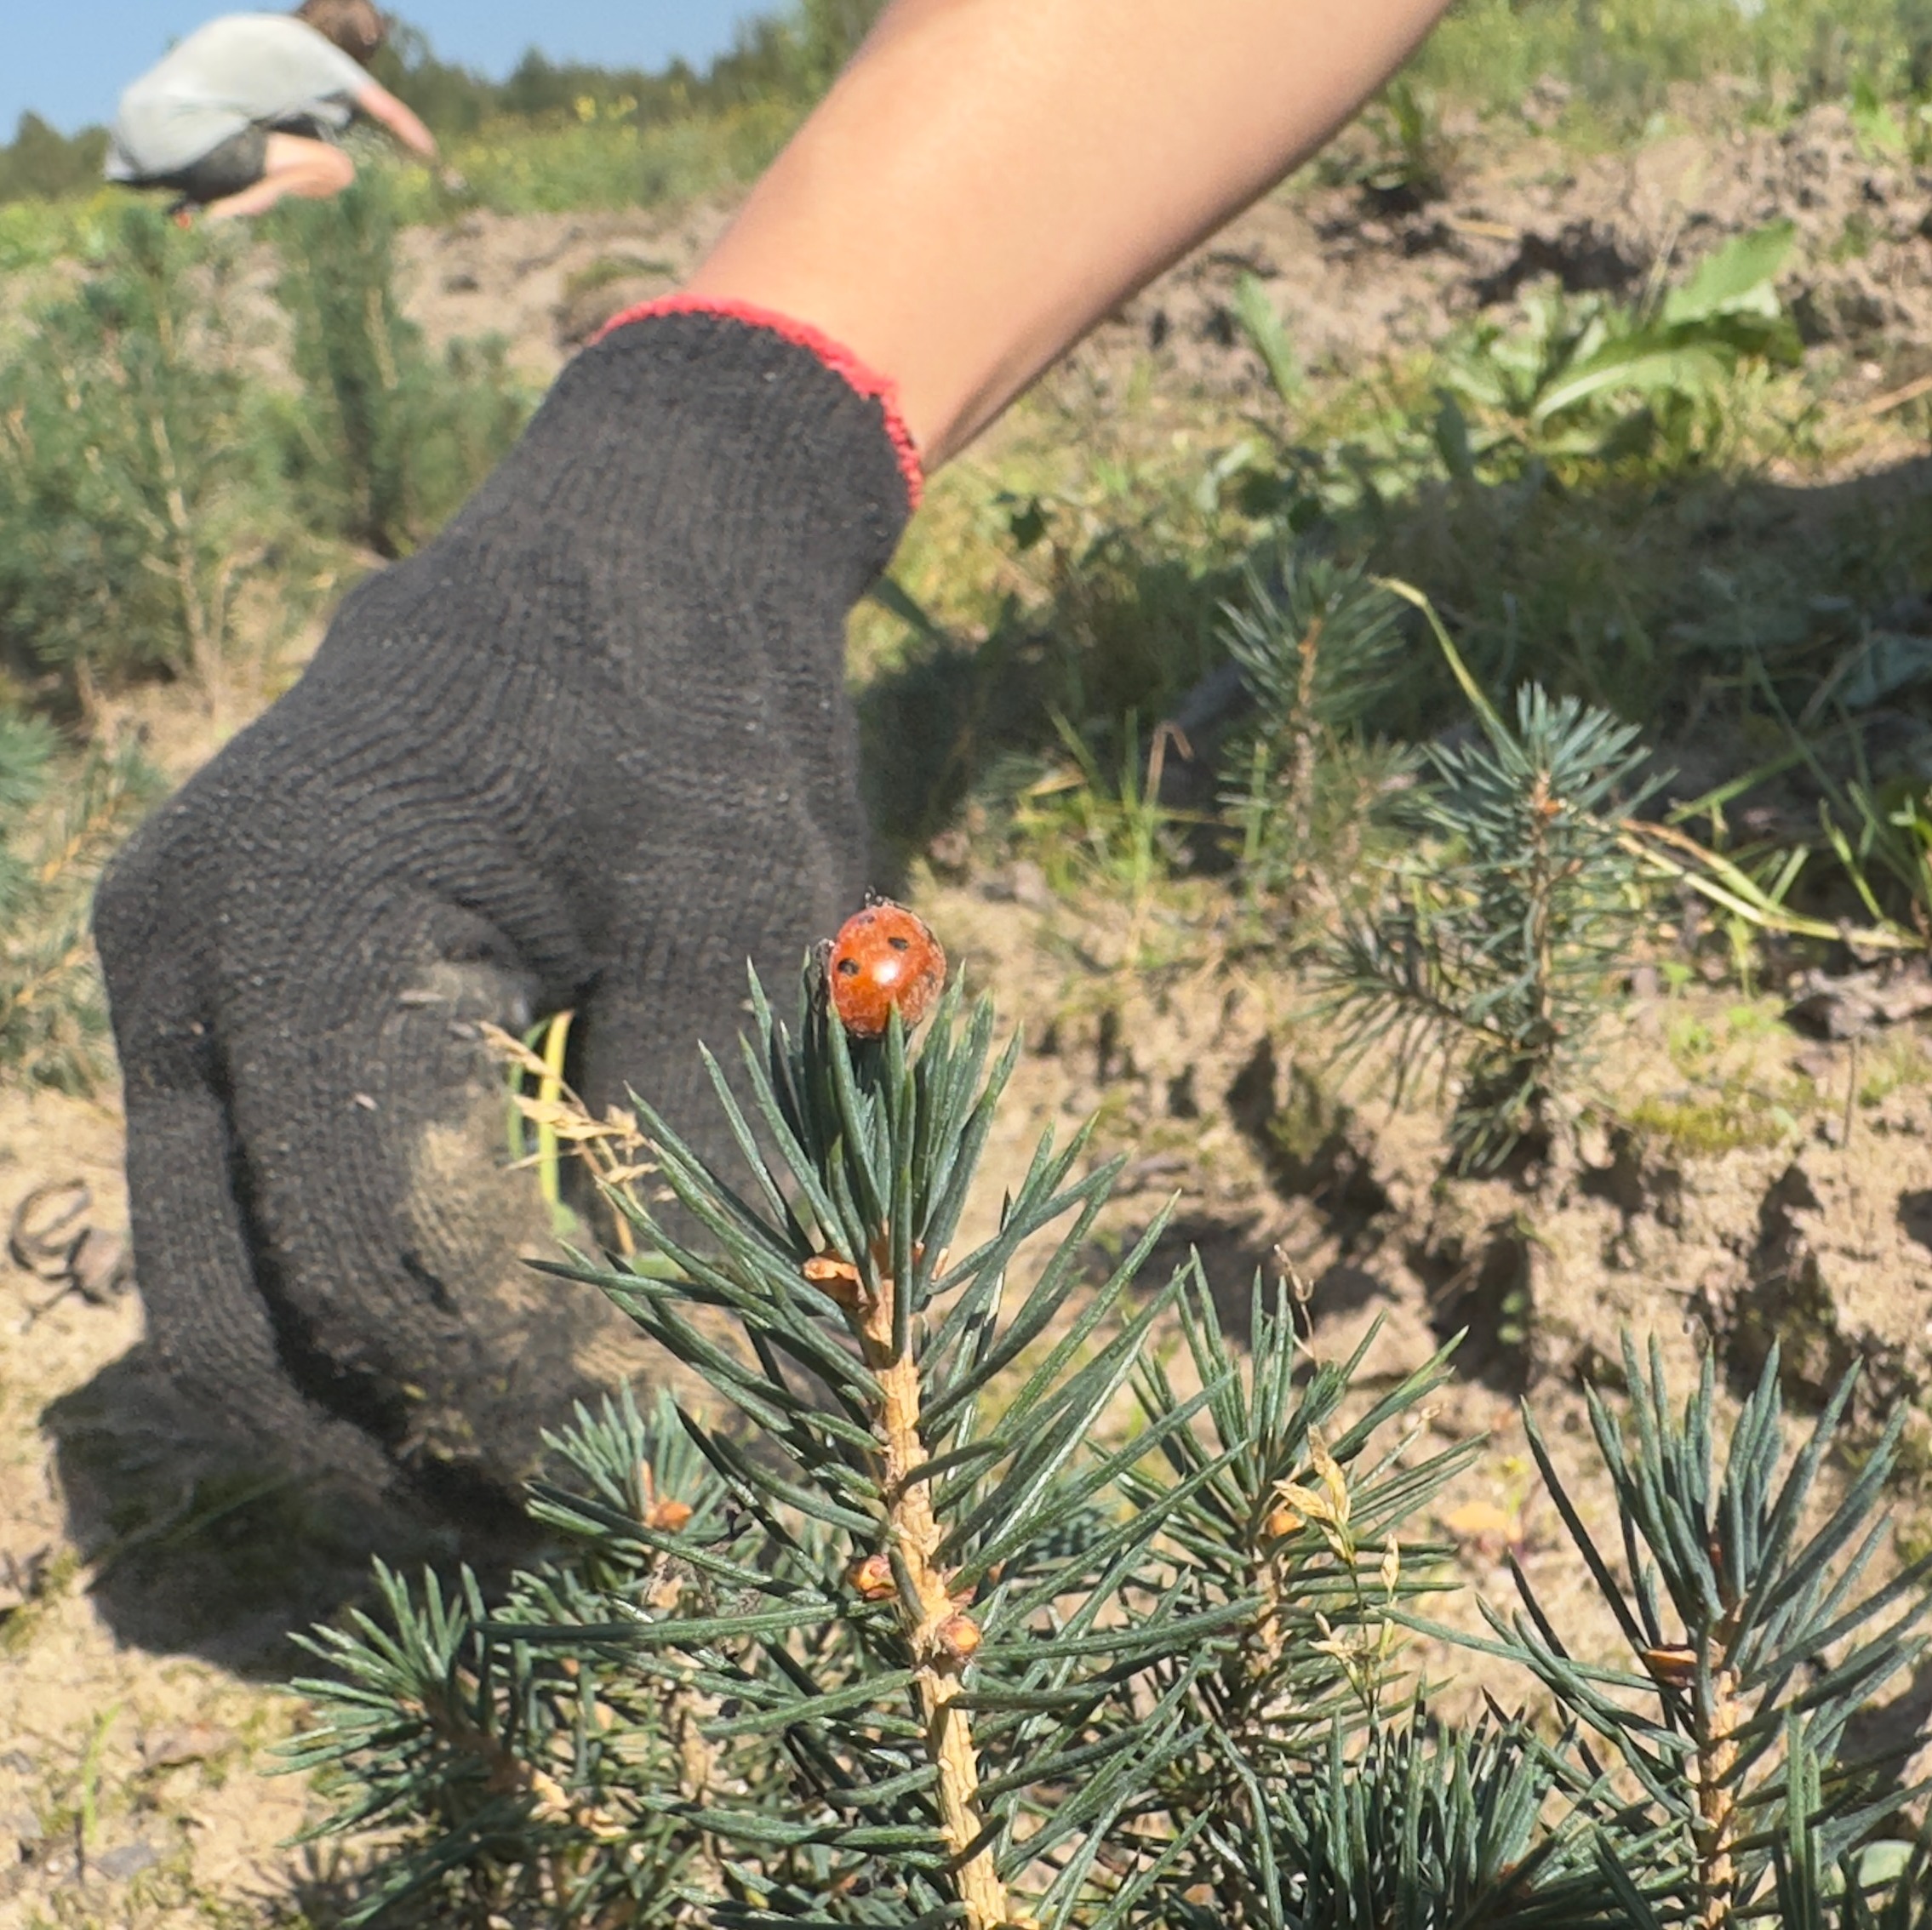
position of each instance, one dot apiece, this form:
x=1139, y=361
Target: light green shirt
x=242, y=71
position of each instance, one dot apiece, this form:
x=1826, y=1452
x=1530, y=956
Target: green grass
x=603, y=161
x=1622, y=58
x=35, y=234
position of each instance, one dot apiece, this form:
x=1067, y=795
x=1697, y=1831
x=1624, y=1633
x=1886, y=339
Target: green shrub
x=137, y=497
x=385, y=439
x=42, y=164
x=972, y=1613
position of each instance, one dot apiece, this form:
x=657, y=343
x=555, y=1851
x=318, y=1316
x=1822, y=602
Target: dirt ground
x=145, y=1594
x=1354, y=275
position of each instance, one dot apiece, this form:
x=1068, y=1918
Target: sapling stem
x=940, y=1636
x=1715, y=1831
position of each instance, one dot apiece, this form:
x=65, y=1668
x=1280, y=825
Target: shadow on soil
x=1891, y=1730
x=194, y=1546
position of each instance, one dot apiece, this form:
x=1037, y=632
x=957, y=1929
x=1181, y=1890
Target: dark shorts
x=238, y=162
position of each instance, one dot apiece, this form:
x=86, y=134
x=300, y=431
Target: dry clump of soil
x=1356, y=275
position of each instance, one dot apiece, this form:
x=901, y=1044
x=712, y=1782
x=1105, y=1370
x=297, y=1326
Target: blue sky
x=69, y=60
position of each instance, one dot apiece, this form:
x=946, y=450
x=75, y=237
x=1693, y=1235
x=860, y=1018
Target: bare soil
x=145, y=1593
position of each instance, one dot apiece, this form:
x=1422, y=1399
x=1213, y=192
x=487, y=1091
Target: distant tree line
x=792, y=56
x=41, y=164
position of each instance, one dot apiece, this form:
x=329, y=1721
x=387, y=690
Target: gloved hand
x=591, y=748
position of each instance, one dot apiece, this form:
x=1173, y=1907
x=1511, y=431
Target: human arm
x=381, y=105
x=592, y=747
x=989, y=177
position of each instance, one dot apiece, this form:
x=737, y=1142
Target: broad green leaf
x=1734, y=278
x=1639, y=361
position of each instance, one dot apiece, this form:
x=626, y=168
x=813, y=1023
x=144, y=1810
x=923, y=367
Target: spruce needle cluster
x=990, y=1593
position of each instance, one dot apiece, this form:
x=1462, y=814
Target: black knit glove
x=591, y=748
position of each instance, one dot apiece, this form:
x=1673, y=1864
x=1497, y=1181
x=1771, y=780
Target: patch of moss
x=1728, y=1121
x=1895, y=1066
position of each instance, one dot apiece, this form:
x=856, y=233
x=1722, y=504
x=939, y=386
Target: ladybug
x=883, y=957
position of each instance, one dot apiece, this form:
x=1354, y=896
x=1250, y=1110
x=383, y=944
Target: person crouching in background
x=246, y=109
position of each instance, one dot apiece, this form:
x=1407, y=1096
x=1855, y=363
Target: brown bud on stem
x=872, y=1577
x=958, y=1636
x=837, y=1279
x=1283, y=1521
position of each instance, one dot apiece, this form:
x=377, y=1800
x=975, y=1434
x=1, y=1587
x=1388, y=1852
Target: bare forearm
x=380, y=104
x=990, y=177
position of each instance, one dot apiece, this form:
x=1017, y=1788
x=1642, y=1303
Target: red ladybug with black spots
x=884, y=957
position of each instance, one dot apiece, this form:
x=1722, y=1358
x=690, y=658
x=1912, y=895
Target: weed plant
x=1588, y=377
x=384, y=439
x=1572, y=390
x=1093, y=827
x=53, y=1018
x=1880, y=831
x=976, y=1609
x=1400, y=157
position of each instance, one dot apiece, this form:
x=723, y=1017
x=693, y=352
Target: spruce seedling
x=387, y=438
x=136, y=501
x=956, y=1533
x=931, y=1627
x=944, y=1629
x=1493, y=947
x=1285, y=1501
x=528, y=1778
x=1751, y=1638
x=1317, y=644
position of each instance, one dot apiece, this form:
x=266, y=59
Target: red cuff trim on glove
x=866, y=381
